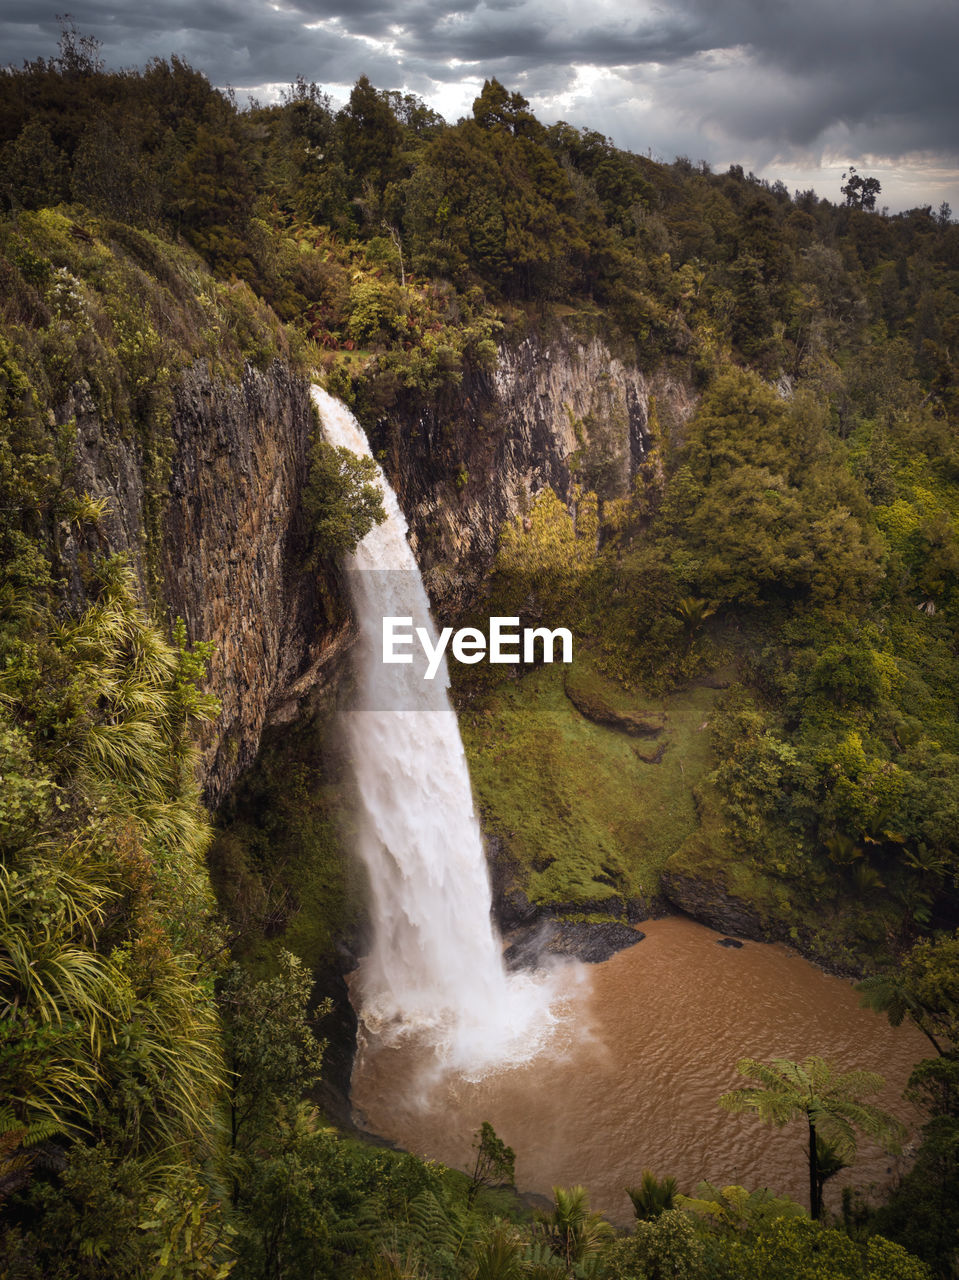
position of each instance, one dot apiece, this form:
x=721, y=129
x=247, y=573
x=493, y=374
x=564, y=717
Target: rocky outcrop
x=109, y=466
x=221, y=545
x=233, y=546
x=595, y=708
x=517, y=918
x=592, y=943
x=710, y=903
x=709, y=900
x=552, y=408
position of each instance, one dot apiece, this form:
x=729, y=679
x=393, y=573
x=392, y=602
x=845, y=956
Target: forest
x=162, y=1035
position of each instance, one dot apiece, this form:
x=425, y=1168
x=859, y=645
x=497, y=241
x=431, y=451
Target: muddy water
x=650, y=1041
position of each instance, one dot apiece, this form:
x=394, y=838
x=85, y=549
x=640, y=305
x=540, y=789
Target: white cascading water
x=436, y=962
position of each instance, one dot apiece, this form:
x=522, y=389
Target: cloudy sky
x=792, y=89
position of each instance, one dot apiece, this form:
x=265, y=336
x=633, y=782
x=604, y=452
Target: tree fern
x=829, y=1101
x=735, y=1207
x=18, y=1148
x=442, y=1228
x=892, y=994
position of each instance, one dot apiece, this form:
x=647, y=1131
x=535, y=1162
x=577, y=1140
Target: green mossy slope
x=584, y=814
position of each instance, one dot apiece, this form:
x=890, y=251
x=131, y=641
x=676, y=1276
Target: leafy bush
x=341, y=500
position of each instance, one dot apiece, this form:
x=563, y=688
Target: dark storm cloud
x=854, y=64
x=733, y=78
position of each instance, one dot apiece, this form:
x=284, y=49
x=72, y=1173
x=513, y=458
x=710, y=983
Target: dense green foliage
x=111, y=1039
x=341, y=499
x=798, y=532
x=495, y=1161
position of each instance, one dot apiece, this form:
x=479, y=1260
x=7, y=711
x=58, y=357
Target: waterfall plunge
x=436, y=965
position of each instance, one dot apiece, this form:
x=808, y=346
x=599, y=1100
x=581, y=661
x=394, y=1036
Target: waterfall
x=436, y=962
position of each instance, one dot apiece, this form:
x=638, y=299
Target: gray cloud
x=758, y=82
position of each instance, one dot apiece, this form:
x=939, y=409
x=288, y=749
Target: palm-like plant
x=892, y=993
x=58, y=996
x=829, y=1162
x=694, y=611
x=498, y=1254
x=103, y=895
x=830, y=1101
x=652, y=1197
x=574, y=1231
x=842, y=848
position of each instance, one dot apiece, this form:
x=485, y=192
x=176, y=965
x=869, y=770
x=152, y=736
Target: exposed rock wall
x=110, y=465
x=228, y=541
x=225, y=541
x=552, y=409
x=233, y=544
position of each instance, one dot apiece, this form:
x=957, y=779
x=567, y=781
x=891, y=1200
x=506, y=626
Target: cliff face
x=221, y=539
x=551, y=409
x=226, y=540
x=233, y=543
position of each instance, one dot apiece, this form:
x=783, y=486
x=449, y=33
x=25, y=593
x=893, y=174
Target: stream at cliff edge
x=633, y=1082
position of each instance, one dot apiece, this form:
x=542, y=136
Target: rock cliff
x=213, y=522
x=553, y=408
x=221, y=543
x=233, y=544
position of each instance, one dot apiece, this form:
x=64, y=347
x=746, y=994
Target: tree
x=891, y=993
x=213, y=192
x=496, y=106
x=922, y=1213
x=33, y=170
x=371, y=140
x=860, y=192
x=79, y=55
x=924, y=986
x=547, y=555
x=495, y=1161
x=341, y=499
x=573, y=1231
x=668, y=1247
x=828, y=1100
x=828, y=1163
x=274, y=1056
x=760, y=505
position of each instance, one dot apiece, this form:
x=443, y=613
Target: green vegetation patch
x=586, y=816
x=707, y=868
x=278, y=863
x=607, y=703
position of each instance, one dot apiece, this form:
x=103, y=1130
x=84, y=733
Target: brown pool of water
x=633, y=1080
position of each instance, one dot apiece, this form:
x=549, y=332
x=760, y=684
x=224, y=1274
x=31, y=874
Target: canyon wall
x=553, y=408
x=220, y=540
x=221, y=545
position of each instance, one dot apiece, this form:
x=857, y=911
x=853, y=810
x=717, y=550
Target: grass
x=586, y=818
